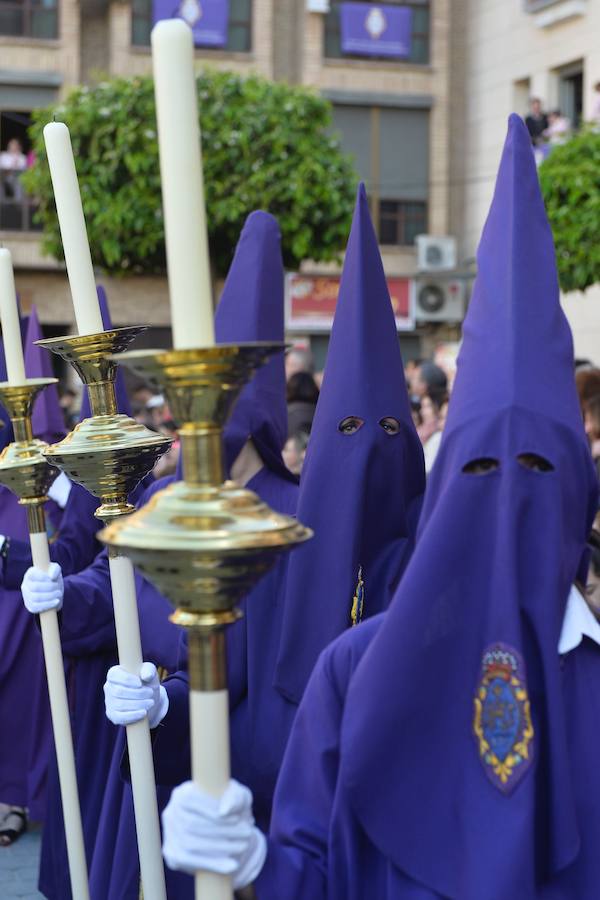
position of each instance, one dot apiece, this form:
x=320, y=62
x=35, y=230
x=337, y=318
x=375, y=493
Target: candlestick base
x=23, y=467
x=108, y=453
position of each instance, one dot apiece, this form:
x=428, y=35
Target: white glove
x=43, y=590
x=128, y=698
x=60, y=489
x=213, y=834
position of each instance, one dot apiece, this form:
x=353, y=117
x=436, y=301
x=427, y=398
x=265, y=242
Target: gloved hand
x=214, y=834
x=128, y=698
x=60, y=489
x=43, y=590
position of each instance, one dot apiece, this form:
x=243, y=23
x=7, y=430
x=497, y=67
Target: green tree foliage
x=570, y=179
x=265, y=145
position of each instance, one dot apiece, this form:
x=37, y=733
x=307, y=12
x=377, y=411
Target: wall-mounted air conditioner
x=435, y=254
x=439, y=300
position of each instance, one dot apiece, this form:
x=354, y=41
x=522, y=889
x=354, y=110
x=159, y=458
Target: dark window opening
x=419, y=49
x=239, y=30
x=401, y=221
x=29, y=18
x=16, y=207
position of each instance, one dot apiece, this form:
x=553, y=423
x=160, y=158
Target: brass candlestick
x=108, y=454
x=27, y=473
x=23, y=468
x=204, y=543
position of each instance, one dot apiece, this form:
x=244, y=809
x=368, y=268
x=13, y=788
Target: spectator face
x=295, y=362
x=428, y=412
x=536, y=107
x=14, y=146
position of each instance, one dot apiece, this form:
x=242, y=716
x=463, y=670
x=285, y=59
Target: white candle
x=182, y=185
x=72, y=228
x=11, y=326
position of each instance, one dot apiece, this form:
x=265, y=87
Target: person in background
x=587, y=381
x=12, y=162
x=593, y=580
x=558, y=128
x=298, y=359
x=302, y=394
x=69, y=399
x=433, y=411
x=536, y=121
x=294, y=451
x=428, y=378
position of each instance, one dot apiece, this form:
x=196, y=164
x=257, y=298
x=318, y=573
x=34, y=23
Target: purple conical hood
x=517, y=346
x=47, y=420
x=460, y=776
x=251, y=309
x=360, y=492
x=123, y=404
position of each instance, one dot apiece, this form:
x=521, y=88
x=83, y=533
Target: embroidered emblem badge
x=358, y=601
x=502, y=722
x=376, y=23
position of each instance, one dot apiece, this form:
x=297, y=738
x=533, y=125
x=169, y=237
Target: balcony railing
x=17, y=215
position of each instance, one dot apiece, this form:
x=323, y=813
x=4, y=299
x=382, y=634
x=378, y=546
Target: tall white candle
x=11, y=326
x=182, y=185
x=72, y=228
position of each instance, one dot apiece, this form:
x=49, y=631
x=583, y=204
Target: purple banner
x=370, y=30
x=208, y=19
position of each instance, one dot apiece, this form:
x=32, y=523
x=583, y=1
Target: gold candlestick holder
x=23, y=468
x=26, y=471
x=204, y=542
x=108, y=453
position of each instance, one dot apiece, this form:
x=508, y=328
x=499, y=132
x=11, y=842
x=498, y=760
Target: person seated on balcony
x=12, y=162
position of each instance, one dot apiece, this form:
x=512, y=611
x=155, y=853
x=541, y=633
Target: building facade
x=393, y=116
x=510, y=52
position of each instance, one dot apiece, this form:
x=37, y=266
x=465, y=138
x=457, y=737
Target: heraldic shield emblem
x=502, y=721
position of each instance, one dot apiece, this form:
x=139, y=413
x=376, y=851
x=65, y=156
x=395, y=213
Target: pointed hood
x=361, y=489
x=251, y=309
x=516, y=351
x=455, y=728
x=123, y=404
x=47, y=419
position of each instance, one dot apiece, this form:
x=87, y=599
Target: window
x=16, y=207
x=400, y=222
x=390, y=147
x=29, y=18
x=419, y=52
x=239, y=32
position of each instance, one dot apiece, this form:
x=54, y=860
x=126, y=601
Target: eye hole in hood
x=481, y=466
x=535, y=462
x=350, y=425
x=390, y=425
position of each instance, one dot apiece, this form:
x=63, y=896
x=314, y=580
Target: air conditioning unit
x=440, y=300
x=318, y=6
x=435, y=254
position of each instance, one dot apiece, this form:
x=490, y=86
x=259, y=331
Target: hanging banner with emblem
x=208, y=19
x=371, y=30
x=311, y=301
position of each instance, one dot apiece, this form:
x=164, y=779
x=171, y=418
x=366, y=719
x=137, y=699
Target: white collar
x=579, y=622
